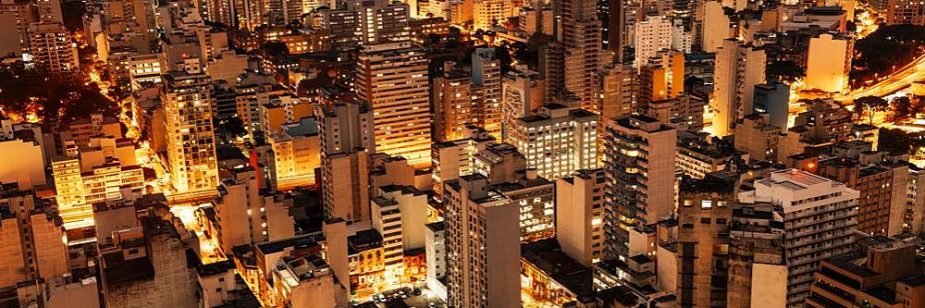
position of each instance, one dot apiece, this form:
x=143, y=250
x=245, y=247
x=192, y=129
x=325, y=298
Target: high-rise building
x=773, y=98
x=860, y=279
x=738, y=69
x=757, y=269
x=615, y=91
x=652, y=35
x=914, y=215
x=715, y=26
x=399, y=213
x=393, y=79
x=52, y=47
x=30, y=238
x=346, y=130
x=580, y=34
x=191, y=144
x=454, y=107
x=905, y=12
x=488, y=13
x=558, y=140
x=486, y=81
x=453, y=159
x=639, y=162
x=704, y=214
x=245, y=215
x=482, y=243
x=580, y=215
x=819, y=222
x=522, y=93
x=829, y=62
x=882, y=188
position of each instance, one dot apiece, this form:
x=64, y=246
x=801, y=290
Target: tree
x=784, y=71
x=896, y=141
x=901, y=108
x=870, y=105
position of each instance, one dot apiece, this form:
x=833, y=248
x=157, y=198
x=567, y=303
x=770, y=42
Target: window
x=706, y=204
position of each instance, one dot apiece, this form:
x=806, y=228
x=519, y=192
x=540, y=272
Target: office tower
x=435, y=250
x=16, y=17
x=52, y=47
x=297, y=153
x=639, y=163
x=773, y=98
x=715, y=26
x=536, y=20
x=661, y=78
x=615, y=27
x=756, y=136
x=522, y=93
x=685, y=111
x=757, y=269
x=828, y=63
x=580, y=34
x=346, y=130
x=557, y=140
x=221, y=11
x=382, y=21
x=615, y=91
x=704, y=214
x=477, y=276
x=29, y=169
x=30, y=238
x=882, y=188
x=488, y=13
x=652, y=35
x=506, y=171
x=49, y=11
x=393, y=79
x=399, y=214
x=914, y=215
x=697, y=157
x=486, y=81
x=808, y=201
x=580, y=215
x=738, y=69
x=453, y=159
x=245, y=215
x=905, y=12
x=861, y=279
x=191, y=144
x=454, y=107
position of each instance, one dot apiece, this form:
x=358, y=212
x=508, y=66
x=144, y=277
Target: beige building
x=393, y=79
x=640, y=167
x=245, y=215
x=29, y=169
x=30, y=239
x=828, y=63
x=486, y=14
x=346, y=130
x=399, y=214
x=557, y=140
x=860, y=279
x=704, y=214
x=715, y=26
x=52, y=47
x=478, y=277
x=453, y=159
x=580, y=215
x=581, y=39
x=297, y=153
x=190, y=141
x=738, y=69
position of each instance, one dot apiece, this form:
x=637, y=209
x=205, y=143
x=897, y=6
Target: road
x=901, y=79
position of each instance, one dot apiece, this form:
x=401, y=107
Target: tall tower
x=486, y=81
x=393, y=79
x=483, y=244
x=581, y=39
x=346, y=143
x=738, y=69
x=190, y=136
x=640, y=168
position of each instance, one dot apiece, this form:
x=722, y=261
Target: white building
x=819, y=221
x=558, y=140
